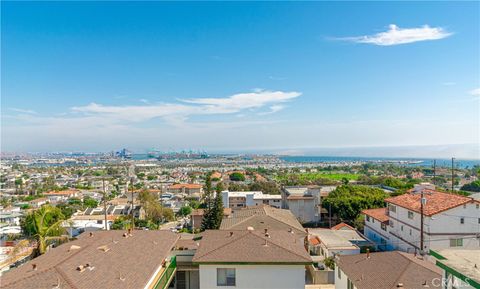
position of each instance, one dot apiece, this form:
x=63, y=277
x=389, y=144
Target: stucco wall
x=256, y=276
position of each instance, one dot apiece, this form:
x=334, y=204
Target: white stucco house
x=251, y=259
x=450, y=221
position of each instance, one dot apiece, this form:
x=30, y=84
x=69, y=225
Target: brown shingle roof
x=437, y=202
x=248, y=246
x=379, y=214
x=262, y=217
x=134, y=259
x=386, y=270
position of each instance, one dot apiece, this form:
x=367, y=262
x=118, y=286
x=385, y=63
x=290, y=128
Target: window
x=456, y=242
x=339, y=273
x=392, y=208
x=477, y=206
x=401, y=227
x=464, y=206
x=410, y=232
x=462, y=220
x=410, y=215
x=391, y=223
x=99, y=222
x=368, y=218
x=384, y=226
x=479, y=220
x=225, y=277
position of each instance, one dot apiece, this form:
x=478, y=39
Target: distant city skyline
x=325, y=78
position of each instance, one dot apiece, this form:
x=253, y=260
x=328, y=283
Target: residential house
x=461, y=268
x=196, y=217
x=101, y=259
x=239, y=200
x=306, y=202
x=37, y=203
x=375, y=228
x=385, y=270
x=449, y=220
x=261, y=218
x=330, y=243
x=187, y=189
x=62, y=196
x=251, y=259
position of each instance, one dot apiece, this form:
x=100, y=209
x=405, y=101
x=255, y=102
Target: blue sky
x=97, y=76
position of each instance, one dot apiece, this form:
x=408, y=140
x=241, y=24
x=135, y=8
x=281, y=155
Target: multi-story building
x=449, y=220
x=305, y=202
x=239, y=200
x=188, y=189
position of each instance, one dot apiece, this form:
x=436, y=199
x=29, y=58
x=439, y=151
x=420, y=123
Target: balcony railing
x=164, y=281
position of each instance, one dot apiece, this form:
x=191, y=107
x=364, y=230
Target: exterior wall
x=374, y=232
x=404, y=232
x=304, y=210
x=256, y=276
x=341, y=279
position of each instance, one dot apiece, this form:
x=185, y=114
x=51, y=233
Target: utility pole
x=423, y=201
x=105, y=203
x=133, y=205
x=330, y=215
x=434, y=171
x=453, y=173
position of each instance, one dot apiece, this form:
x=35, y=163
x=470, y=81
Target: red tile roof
x=314, y=241
x=343, y=226
x=187, y=186
x=379, y=214
x=437, y=202
x=62, y=193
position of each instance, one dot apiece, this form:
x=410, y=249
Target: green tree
x=90, y=202
x=472, y=187
x=348, y=201
x=45, y=227
x=237, y=177
x=185, y=211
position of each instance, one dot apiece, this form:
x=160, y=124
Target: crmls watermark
x=454, y=282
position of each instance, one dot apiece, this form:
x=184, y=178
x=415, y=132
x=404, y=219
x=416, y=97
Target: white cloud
x=177, y=113
x=28, y=111
x=396, y=35
x=475, y=92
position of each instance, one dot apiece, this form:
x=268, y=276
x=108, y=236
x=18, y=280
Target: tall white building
x=450, y=221
x=239, y=200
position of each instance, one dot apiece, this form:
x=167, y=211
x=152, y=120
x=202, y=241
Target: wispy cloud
x=449, y=83
x=178, y=112
x=396, y=35
x=27, y=111
x=476, y=93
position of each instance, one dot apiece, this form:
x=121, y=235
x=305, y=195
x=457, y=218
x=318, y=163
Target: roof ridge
x=280, y=246
x=281, y=221
x=224, y=245
x=242, y=219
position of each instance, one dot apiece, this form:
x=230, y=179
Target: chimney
x=34, y=267
x=368, y=253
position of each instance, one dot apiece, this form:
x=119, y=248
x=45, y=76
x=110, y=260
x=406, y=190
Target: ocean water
x=458, y=163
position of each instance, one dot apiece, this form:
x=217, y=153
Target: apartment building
x=305, y=202
x=187, y=189
x=449, y=220
x=239, y=200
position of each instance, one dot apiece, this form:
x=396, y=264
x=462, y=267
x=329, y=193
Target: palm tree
x=44, y=226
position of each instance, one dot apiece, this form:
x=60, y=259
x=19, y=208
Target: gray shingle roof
x=247, y=246
x=385, y=270
x=262, y=217
x=129, y=263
